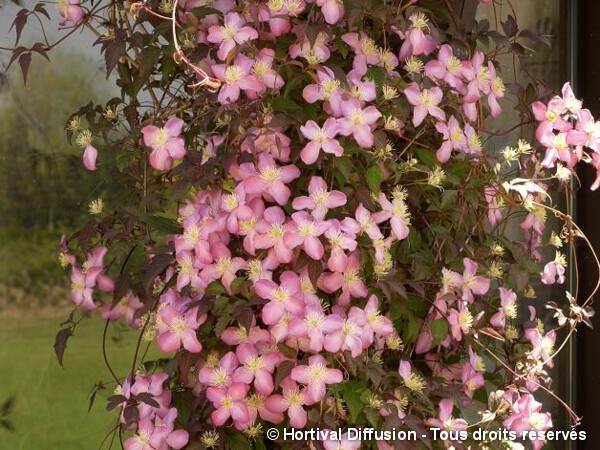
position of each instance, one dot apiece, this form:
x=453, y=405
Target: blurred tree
x=41, y=175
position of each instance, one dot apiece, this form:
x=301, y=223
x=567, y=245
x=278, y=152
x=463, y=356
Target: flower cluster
x=338, y=254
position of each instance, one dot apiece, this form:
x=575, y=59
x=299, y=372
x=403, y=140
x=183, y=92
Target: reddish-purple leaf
x=60, y=343
x=19, y=23
x=41, y=8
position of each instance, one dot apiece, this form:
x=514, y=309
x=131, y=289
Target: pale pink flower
x=293, y=401
x=348, y=281
x=305, y=231
x=365, y=51
x=281, y=298
x=332, y=10
x=454, y=139
x=271, y=230
x=263, y=69
x=343, y=444
x=358, y=122
x=347, y=337
x=158, y=434
x=314, y=326
x=166, y=143
x=425, y=101
x=126, y=307
x=526, y=415
x=315, y=51
x=470, y=283
x=321, y=138
x=371, y=321
x=339, y=240
x=224, y=267
x=447, y=67
x=70, y=11
x=89, y=157
x=229, y=403
x=232, y=33
x=271, y=180
x=220, y=374
x=508, y=308
x=320, y=200
x=327, y=89
x=445, y=421
x=316, y=376
x=236, y=77
x=396, y=212
x=471, y=380
x=255, y=367
x=416, y=42
x=241, y=335
x=176, y=329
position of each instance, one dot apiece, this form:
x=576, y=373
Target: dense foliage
x=318, y=231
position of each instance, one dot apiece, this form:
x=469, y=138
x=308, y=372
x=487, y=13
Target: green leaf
x=374, y=178
x=352, y=392
x=163, y=224
x=439, y=330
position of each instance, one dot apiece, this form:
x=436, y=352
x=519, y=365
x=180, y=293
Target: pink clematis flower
x=255, y=367
x=526, y=415
x=70, y=11
x=470, y=283
x=282, y=298
x=305, y=232
x=343, y=444
x=158, y=434
x=232, y=33
x=454, y=139
x=358, y=122
x=316, y=376
x=224, y=268
x=219, y=375
x=271, y=180
x=445, y=421
x=332, y=10
x=166, y=143
x=339, y=240
x=347, y=337
x=236, y=78
x=321, y=138
x=271, y=232
x=315, y=326
x=447, y=67
x=371, y=321
x=176, y=329
x=263, y=69
x=425, y=102
x=554, y=271
x=89, y=157
x=508, y=308
x=416, y=42
x=543, y=345
x=396, y=212
x=229, y=403
x=348, y=281
x=320, y=200
x=327, y=89
x=293, y=401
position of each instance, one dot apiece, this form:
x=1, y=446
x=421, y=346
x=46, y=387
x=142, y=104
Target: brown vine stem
x=571, y=413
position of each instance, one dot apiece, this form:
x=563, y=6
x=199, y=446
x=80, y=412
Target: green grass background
x=51, y=410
